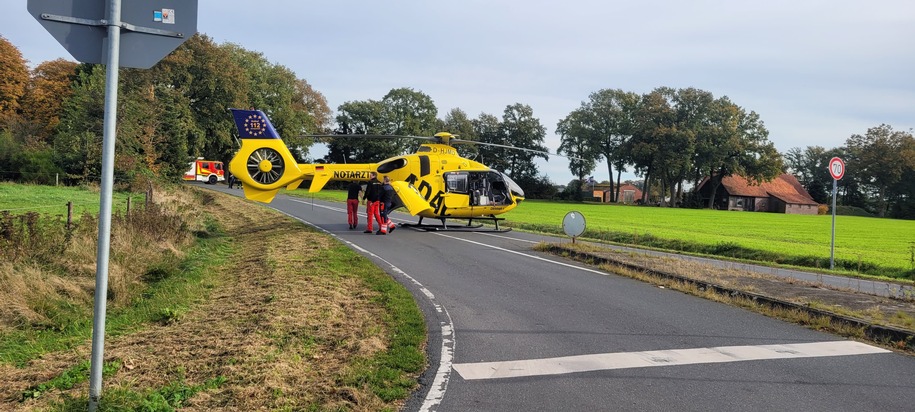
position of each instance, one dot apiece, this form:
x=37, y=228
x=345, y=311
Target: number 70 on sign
x=836, y=168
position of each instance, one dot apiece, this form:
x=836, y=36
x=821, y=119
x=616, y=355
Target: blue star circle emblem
x=254, y=125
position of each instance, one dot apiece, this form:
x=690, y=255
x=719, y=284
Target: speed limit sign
x=836, y=168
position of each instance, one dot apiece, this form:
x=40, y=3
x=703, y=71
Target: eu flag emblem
x=253, y=124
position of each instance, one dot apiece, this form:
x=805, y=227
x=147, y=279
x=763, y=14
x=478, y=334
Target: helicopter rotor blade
x=462, y=141
x=366, y=136
x=452, y=140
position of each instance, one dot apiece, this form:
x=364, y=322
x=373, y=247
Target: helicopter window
x=456, y=182
x=423, y=149
x=512, y=186
x=388, y=167
x=423, y=165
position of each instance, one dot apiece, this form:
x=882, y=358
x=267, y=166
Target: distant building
x=601, y=192
x=629, y=194
x=784, y=194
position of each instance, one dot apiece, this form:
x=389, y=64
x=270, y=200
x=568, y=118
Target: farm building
x=784, y=194
x=629, y=194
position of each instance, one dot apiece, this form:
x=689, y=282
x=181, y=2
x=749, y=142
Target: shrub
x=852, y=211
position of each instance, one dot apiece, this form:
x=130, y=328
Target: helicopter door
x=410, y=198
x=455, y=195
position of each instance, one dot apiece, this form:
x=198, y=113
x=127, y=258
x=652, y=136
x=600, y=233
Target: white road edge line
x=443, y=373
x=526, y=255
x=509, y=238
x=626, y=360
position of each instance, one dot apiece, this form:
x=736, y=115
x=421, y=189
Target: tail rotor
x=265, y=166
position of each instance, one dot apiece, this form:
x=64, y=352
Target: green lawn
x=52, y=200
x=885, y=243
x=875, y=246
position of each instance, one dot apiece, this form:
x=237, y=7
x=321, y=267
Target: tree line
x=670, y=137
x=51, y=123
x=879, y=174
x=51, y=116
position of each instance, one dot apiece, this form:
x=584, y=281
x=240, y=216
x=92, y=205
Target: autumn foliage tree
x=170, y=113
x=48, y=89
x=14, y=78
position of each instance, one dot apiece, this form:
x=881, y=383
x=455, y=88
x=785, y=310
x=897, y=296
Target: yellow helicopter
x=435, y=182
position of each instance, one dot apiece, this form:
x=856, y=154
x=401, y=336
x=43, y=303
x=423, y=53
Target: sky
x=816, y=72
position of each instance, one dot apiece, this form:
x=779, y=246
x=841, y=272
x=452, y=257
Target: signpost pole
x=150, y=35
x=836, y=170
x=104, y=223
x=832, y=244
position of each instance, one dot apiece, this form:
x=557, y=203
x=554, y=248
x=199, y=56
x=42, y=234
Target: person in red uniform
x=352, y=204
x=372, y=200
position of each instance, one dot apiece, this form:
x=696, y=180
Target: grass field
x=882, y=247
x=51, y=200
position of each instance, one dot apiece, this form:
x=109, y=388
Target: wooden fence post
x=128, y=206
x=69, y=214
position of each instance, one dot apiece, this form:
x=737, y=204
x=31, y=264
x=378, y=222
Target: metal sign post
x=91, y=31
x=836, y=170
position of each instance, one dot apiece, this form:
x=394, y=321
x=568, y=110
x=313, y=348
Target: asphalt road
x=516, y=330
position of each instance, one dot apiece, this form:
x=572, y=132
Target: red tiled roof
x=785, y=188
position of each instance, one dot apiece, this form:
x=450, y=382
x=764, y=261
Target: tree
x=576, y=142
x=407, y=112
x=78, y=138
x=609, y=115
x=810, y=167
x=358, y=118
x=882, y=156
x=311, y=102
x=738, y=144
x=654, y=121
x=212, y=80
x=522, y=130
x=14, y=78
x=903, y=192
x=457, y=123
x=693, y=109
x=488, y=129
x=48, y=89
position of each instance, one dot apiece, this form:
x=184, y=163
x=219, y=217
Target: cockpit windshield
x=515, y=189
x=485, y=188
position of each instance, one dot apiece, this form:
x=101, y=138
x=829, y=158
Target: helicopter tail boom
x=265, y=165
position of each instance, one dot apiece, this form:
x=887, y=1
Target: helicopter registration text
x=350, y=174
x=444, y=150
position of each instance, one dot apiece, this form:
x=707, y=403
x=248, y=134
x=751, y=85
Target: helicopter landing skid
x=469, y=227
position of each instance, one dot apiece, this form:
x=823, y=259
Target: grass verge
x=168, y=297
x=261, y=313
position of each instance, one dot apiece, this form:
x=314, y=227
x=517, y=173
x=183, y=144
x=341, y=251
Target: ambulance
x=207, y=171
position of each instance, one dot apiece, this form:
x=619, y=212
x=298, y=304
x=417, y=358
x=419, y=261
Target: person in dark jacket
x=372, y=199
x=387, y=200
x=352, y=204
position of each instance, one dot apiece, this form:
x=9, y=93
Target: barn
x=784, y=194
